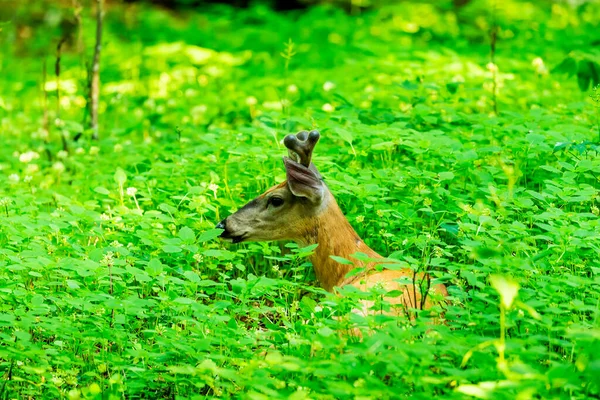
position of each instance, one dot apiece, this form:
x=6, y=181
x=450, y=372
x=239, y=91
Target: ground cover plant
x=485, y=174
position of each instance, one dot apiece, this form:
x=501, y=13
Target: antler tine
x=301, y=145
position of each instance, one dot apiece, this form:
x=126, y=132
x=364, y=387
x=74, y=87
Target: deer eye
x=276, y=201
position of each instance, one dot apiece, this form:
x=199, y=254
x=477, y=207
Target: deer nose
x=222, y=225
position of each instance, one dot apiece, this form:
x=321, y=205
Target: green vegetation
x=113, y=284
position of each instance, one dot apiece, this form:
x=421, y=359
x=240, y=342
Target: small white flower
x=492, y=67
x=292, y=88
x=539, y=66
x=213, y=187
x=58, y=167
x=327, y=86
x=198, y=257
x=537, y=62
x=131, y=191
x=27, y=178
x=318, y=308
x=13, y=178
x=117, y=148
x=32, y=169
x=328, y=108
x=79, y=150
x=116, y=243
x=107, y=260
x=94, y=150
x=62, y=154
x=28, y=156
x=251, y=101
x=104, y=217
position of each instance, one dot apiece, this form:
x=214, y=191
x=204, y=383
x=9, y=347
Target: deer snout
x=228, y=234
x=222, y=225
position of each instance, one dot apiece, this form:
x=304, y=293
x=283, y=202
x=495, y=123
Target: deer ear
x=304, y=182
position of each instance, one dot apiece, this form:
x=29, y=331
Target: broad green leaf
x=102, y=190
x=169, y=248
x=326, y=331
x=567, y=66
x=192, y=276
x=345, y=134
x=341, y=260
x=154, y=267
x=209, y=235
x=187, y=235
x=446, y=176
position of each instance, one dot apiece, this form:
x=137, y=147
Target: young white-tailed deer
x=303, y=209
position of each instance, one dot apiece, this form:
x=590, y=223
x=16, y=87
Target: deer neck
x=335, y=237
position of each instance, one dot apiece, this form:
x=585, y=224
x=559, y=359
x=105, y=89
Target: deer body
x=303, y=209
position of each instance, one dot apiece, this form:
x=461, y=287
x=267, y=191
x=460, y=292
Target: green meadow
x=461, y=139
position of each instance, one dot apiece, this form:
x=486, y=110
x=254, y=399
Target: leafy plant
x=112, y=280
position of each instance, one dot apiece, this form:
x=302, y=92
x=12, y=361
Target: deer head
x=285, y=211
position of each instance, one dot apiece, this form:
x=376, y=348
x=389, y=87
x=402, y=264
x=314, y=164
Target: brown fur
x=335, y=236
x=324, y=223
x=303, y=209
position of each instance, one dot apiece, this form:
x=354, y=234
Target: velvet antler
x=301, y=145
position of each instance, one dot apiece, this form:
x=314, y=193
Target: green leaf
x=325, y=331
x=345, y=135
x=184, y=300
x=187, y=235
x=192, y=276
x=154, y=267
x=71, y=284
x=209, y=235
x=446, y=176
x=450, y=227
x=583, y=80
x=169, y=248
x=102, y=190
x=354, y=272
x=452, y=87
x=341, y=260
x=567, y=66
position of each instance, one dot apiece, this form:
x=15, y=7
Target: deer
x=303, y=209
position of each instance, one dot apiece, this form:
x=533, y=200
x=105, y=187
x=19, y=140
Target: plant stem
x=94, y=80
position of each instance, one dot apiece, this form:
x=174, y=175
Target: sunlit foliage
x=113, y=285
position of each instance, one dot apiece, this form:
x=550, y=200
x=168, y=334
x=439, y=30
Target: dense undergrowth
x=112, y=284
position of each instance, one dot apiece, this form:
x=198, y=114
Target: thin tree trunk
x=63, y=139
x=95, y=71
x=45, y=120
x=493, y=39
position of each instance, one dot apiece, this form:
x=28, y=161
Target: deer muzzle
x=226, y=234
